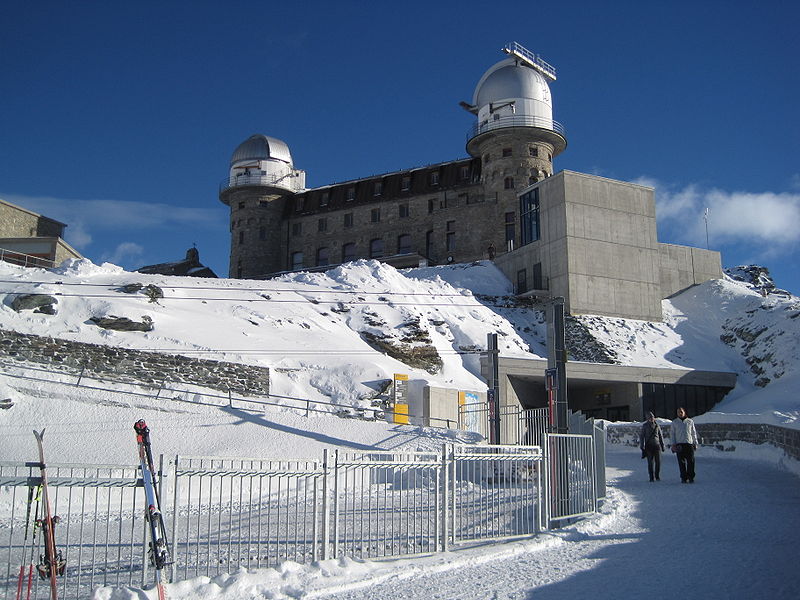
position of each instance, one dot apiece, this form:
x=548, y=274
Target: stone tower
x=515, y=135
x=260, y=178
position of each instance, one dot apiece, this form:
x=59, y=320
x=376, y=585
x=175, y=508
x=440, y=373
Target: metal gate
x=570, y=478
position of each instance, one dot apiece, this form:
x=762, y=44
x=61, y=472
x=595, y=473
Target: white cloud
x=123, y=253
x=766, y=219
x=83, y=217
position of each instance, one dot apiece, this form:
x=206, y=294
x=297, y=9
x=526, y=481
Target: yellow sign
x=400, y=377
x=401, y=414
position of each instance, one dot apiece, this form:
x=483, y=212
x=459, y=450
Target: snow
x=726, y=535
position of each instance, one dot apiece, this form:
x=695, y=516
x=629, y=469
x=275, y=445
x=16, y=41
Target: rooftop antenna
x=527, y=57
x=705, y=218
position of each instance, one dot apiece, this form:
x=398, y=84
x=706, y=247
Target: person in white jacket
x=684, y=443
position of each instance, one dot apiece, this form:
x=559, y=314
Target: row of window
x=378, y=188
x=508, y=152
x=349, y=252
x=376, y=248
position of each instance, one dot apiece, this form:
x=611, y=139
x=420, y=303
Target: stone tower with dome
x=588, y=239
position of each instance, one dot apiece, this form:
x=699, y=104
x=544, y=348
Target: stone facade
x=133, y=366
x=17, y=222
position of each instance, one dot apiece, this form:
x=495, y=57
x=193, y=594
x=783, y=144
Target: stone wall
x=784, y=438
x=133, y=366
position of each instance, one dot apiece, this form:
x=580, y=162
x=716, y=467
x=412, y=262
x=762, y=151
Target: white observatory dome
x=511, y=90
x=261, y=147
x=264, y=161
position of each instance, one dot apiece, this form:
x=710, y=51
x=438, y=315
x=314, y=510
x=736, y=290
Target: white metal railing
x=25, y=260
x=516, y=121
x=223, y=514
x=290, y=181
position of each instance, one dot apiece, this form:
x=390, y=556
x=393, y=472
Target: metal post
x=557, y=359
x=445, y=499
x=493, y=354
x=174, y=534
x=326, y=516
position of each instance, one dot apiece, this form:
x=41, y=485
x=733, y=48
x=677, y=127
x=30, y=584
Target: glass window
x=508, y=183
x=375, y=215
x=450, y=238
x=351, y=194
x=376, y=248
x=348, y=219
x=529, y=216
x=297, y=228
x=325, y=198
x=297, y=261
x=322, y=257
x=533, y=150
x=404, y=244
x=434, y=178
x=538, y=280
x=431, y=205
x=241, y=237
x=348, y=252
x=300, y=203
x=428, y=244
x=262, y=233
x=506, y=152
x=378, y=188
x=322, y=225
x=510, y=220
x=403, y=211
x=405, y=184
x=241, y=204
x=464, y=172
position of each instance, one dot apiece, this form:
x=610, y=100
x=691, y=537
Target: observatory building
x=586, y=238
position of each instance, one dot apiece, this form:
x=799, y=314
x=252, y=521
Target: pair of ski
x=51, y=563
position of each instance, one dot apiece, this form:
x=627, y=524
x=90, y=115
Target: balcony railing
x=516, y=121
x=288, y=181
x=25, y=260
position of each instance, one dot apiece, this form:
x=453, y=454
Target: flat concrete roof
x=532, y=368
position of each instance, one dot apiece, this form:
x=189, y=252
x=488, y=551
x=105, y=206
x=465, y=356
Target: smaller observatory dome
x=508, y=79
x=261, y=147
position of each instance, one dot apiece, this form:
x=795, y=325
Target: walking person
x=684, y=443
x=651, y=442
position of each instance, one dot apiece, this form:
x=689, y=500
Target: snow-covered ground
x=726, y=536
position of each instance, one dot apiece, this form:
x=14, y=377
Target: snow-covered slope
x=335, y=336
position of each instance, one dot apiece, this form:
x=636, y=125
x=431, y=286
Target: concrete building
x=588, y=239
x=30, y=239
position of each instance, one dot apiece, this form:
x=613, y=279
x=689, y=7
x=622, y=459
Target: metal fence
x=99, y=532
x=227, y=513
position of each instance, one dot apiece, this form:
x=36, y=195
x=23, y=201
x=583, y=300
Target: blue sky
x=120, y=118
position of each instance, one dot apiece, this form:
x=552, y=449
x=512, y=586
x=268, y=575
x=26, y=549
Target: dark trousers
x=685, y=456
x=653, y=461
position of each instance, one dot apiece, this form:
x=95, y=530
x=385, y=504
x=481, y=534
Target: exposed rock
x=35, y=301
x=153, y=292
x=123, y=323
x=420, y=357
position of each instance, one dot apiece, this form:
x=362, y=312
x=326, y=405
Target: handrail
x=15, y=257
x=259, y=179
x=516, y=121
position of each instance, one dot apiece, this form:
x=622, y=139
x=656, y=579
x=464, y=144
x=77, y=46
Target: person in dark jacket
x=651, y=442
x=684, y=443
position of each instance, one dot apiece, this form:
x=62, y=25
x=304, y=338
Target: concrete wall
x=683, y=266
x=440, y=406
x=612, y=248
x=132, y=366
